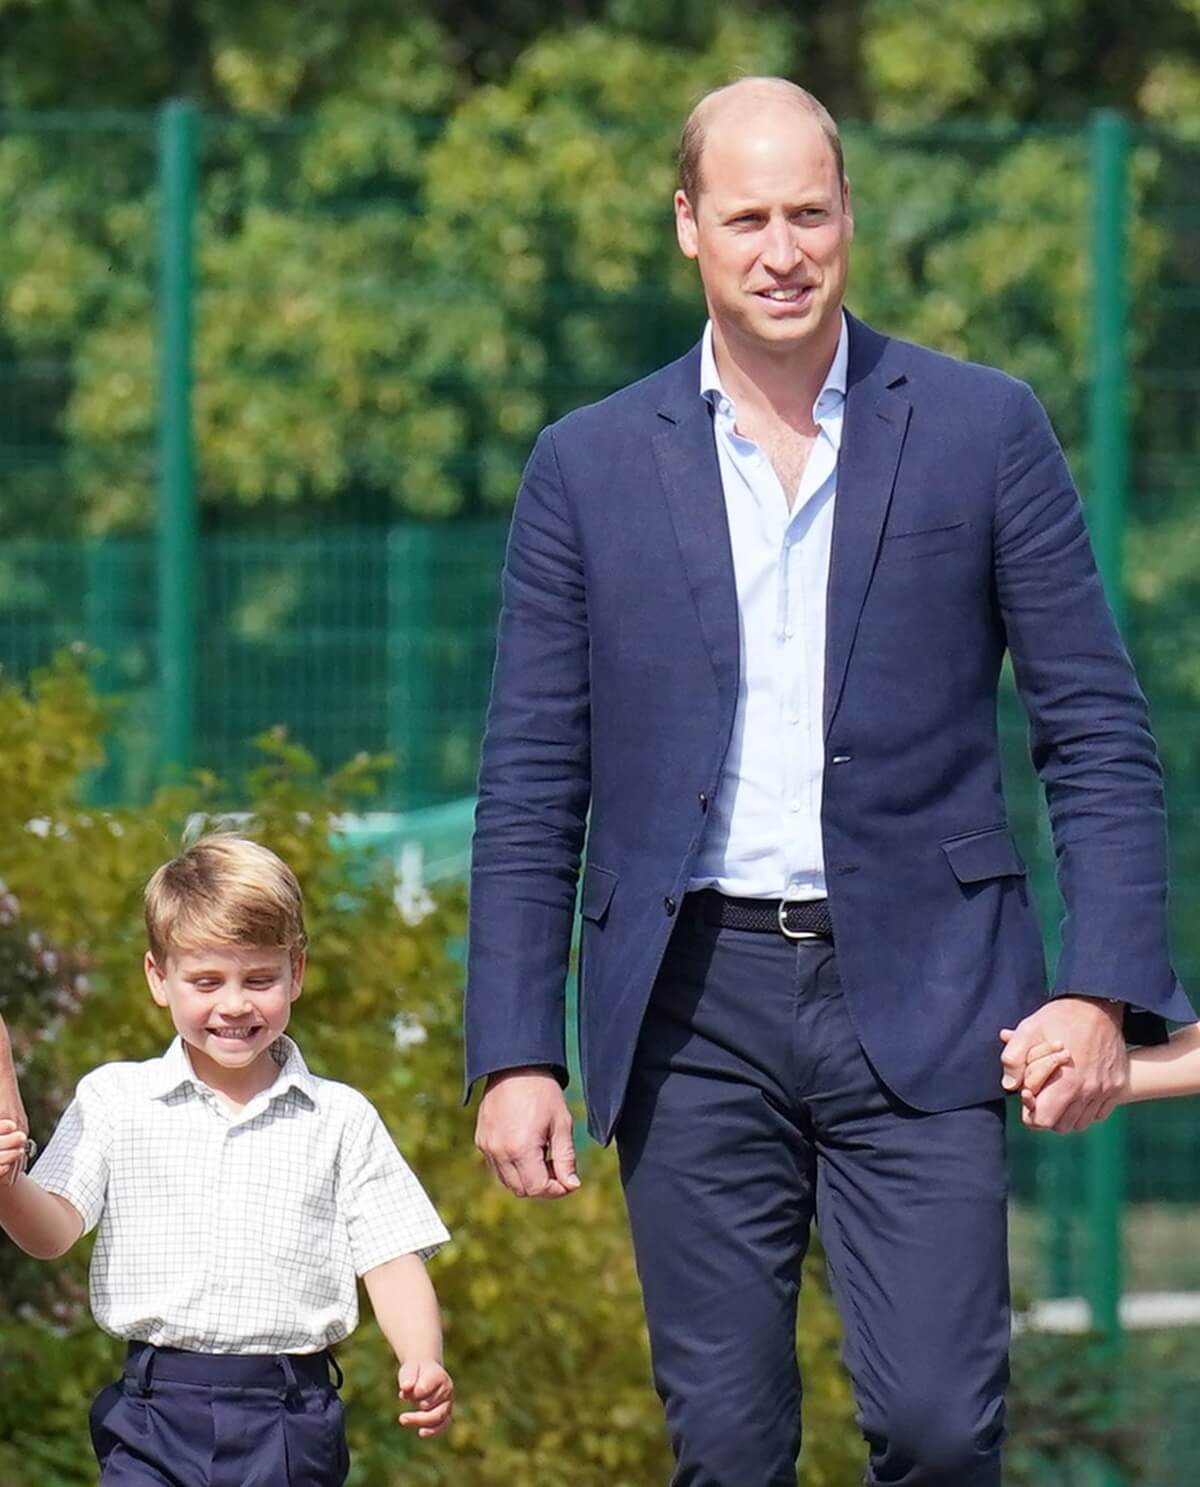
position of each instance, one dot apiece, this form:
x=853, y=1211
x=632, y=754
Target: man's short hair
x=691, y=140
x=224, y=890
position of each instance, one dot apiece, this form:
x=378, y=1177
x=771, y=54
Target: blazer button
x=670, y=905
x=703, y=801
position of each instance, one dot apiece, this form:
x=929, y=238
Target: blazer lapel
x=686, y=455
x=872, y=439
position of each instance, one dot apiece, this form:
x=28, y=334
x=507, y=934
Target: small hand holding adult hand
x=426, y=1384
x=1087, y=1085
x=1043, y=1060
x=524, y=1131
x=12, y=1152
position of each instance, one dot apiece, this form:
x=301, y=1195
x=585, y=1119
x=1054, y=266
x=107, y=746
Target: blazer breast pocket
x=926, y=542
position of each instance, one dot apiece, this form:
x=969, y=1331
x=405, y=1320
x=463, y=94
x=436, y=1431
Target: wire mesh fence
x=386, y=309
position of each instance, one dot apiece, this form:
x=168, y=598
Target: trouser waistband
x=285, y=1372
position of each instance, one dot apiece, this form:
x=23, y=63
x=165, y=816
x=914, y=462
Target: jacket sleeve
x=1089, y=733
x=534, y=789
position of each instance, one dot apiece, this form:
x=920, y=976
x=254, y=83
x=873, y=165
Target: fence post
x=177, y=521
x=411, y=666
x=1107, y=495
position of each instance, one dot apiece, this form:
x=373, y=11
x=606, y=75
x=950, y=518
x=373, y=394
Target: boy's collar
x=175, y=1069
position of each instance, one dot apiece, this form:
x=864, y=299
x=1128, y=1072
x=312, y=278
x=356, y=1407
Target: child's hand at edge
x=427, y=1385
x=1043, y=1061
x=12, y=1152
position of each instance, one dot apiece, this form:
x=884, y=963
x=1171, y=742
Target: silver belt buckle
x=792, y=934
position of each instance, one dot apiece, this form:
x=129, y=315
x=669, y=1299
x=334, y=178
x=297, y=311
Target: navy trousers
x=179, y=1419
x=752, y=1109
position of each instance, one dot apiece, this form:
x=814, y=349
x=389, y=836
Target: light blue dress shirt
x=762, y=837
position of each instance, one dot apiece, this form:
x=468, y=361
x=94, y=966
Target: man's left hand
x=1088, y=1088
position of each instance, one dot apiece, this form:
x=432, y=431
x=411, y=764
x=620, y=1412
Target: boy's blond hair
x=224, y=890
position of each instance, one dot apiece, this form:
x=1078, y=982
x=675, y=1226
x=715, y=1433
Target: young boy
x=238, y=1197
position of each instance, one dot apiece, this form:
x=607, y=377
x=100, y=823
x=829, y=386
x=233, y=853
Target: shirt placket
x=792, y=686
x=803, y=700
x=213, y=1216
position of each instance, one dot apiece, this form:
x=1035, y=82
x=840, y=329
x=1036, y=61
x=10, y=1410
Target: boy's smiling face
x=228, y=1002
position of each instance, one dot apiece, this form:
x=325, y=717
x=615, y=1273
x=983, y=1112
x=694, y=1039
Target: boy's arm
x=43, y=1224
x=1171, y=1068
x=406, y=1309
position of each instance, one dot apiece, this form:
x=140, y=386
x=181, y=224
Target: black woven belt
x=796, y=919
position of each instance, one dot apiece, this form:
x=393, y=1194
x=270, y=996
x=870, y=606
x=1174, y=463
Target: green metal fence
x=265, y=393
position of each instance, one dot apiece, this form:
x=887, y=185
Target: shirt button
x=792, y=719
x=669, y=905
x=793, y=805
x=787, y=634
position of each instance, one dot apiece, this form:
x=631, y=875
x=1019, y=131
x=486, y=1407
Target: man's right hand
x=524, y=1131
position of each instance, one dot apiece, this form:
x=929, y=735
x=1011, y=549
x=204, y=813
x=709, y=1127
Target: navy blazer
x=957, y=535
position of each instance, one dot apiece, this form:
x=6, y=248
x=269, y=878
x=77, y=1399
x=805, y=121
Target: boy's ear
x=298, y=964
x=155, y=979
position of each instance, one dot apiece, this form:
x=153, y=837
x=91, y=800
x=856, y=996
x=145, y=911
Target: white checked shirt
x=762, y=837
x=232, y=1233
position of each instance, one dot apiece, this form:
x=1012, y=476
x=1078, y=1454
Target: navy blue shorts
x=179, y=1419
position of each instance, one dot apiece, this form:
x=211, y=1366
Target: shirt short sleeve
x=74, y=1165
x=385, y=1208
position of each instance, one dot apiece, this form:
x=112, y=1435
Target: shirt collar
x=712, y=389
x=175, y=1070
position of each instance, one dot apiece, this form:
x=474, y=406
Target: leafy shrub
x=543, y=1318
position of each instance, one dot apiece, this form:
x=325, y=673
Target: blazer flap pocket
x=928, y=540
x=598, y=885
x=984, y=854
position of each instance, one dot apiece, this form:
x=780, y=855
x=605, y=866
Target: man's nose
x=781, y=251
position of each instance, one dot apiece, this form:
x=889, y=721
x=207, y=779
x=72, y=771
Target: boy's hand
x=427, y=1384
x=12, y=1152
x=1042, y=1062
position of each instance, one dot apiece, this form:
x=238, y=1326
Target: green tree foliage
x=544, y=1330
x=404, y=270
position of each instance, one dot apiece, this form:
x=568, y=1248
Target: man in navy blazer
x=755, y=610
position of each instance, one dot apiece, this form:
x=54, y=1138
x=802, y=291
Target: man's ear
x=847, y=204
x=685, y=226
x=155, y=979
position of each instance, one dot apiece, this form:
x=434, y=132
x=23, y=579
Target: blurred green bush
x=543, y=1319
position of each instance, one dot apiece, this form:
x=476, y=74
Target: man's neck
x=783, y=384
